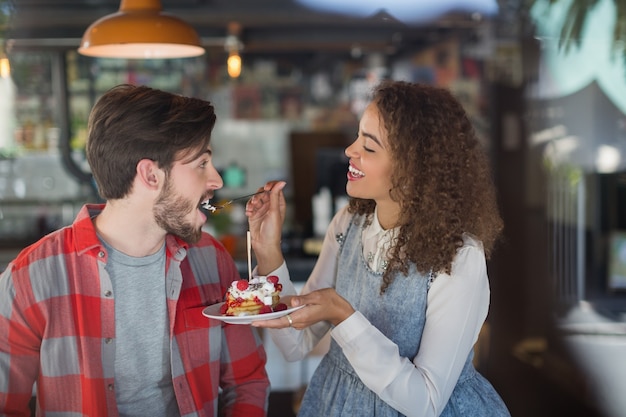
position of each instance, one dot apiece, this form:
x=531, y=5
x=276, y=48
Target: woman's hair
x=441, y=178
x=130, y=123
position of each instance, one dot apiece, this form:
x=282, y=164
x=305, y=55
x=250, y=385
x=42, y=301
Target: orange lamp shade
x=140, y=30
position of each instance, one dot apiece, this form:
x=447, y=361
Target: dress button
x=108, y=340
x=110, y=387
x=101, y=254
x=108, y=293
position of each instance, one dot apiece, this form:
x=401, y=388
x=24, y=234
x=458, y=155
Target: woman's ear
x=149, y=174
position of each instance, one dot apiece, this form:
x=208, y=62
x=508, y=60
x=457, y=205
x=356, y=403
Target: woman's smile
x=354, y=174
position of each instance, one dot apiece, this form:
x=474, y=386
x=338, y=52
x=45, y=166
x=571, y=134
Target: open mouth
x=355, y=173
x=207, y=206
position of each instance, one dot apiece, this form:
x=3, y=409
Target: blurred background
x=543, y=81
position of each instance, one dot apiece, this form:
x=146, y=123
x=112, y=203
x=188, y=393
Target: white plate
x=213, y=312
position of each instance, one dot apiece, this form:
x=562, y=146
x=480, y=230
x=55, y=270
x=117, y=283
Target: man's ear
x=149, y=174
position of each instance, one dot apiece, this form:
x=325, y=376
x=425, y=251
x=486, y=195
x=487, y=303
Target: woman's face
x=369, y=174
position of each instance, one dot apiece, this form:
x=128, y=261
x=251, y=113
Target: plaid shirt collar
x=87, y=239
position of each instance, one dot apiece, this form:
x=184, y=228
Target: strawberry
x=223, y=308
x=242, y=284
x=273, y=279
x=279, y=287
x=265, y=309
x=280, y=307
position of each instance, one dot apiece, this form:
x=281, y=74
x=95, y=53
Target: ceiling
x=268, y=26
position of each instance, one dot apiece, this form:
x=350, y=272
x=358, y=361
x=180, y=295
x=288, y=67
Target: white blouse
x=457, y=308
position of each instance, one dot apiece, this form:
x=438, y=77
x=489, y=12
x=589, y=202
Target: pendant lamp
x=233, y=45
x=140, y=30
x=5, y=67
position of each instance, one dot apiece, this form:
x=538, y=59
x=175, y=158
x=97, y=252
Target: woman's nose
x=350, y=150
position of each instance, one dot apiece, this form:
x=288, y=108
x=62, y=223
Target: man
x=105, y=315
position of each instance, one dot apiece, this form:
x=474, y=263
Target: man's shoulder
x=209, y=243
x=52, y=244
x=207, y=240
x=209, y=257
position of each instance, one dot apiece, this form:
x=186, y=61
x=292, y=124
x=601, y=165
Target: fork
x=208, y=206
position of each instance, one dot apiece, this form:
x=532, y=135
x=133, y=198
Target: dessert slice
x=257, y=296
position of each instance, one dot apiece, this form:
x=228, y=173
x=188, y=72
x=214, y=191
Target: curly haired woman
x=401, y=282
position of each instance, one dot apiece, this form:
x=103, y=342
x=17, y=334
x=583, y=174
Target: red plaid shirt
x=57, y=322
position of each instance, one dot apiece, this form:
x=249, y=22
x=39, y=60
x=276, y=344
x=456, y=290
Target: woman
x=401, y=282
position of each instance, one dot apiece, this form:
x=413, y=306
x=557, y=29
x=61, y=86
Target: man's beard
x=170, y=211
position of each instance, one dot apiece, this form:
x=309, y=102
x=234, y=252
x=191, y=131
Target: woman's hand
x=320, y=305
x=266, y=215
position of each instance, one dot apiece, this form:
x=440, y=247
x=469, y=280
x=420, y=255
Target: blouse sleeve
x=421, y=386
x=296, y=344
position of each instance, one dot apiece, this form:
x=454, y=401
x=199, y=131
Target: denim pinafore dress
x=336, y=390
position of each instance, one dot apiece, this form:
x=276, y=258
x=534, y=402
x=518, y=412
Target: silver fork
x=210, y=207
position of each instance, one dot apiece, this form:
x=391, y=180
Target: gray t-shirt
x=143, y=377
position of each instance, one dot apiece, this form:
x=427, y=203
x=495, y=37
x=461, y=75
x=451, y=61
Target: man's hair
x=130, y=123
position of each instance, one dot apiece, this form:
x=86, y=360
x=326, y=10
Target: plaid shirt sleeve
x=50, y=303
x=19, y=351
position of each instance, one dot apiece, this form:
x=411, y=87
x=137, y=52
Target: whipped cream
x=258, y=287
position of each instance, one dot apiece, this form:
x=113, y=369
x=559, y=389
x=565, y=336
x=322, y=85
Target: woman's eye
x=366, y=149
x=203, y=164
